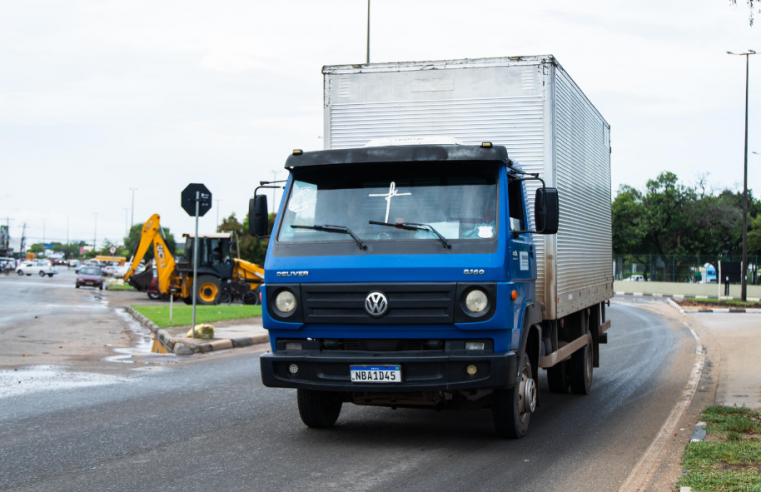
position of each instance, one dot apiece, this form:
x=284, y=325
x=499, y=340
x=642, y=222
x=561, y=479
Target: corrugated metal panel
x=582, y=164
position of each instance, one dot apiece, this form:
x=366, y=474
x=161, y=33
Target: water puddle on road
x=33, y=379
x=144, y=351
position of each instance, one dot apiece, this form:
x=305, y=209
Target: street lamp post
x=368, y=32
x=744, y=289
x=95, y=233
x=274, y=189
x=133, y=207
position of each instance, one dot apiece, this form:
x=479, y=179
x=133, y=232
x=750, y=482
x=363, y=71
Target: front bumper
x=329, y=371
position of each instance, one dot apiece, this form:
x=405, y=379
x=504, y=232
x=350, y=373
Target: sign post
x=196, y=201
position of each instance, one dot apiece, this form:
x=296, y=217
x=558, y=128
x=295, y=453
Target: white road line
x=639, y=478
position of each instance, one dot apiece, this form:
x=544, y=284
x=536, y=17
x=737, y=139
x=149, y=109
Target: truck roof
x=407, y=153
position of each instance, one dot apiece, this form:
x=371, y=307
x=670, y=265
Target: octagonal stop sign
x=189, y=199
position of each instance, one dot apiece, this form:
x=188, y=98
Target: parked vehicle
x=7, y=265
x=419, y=272
x=215, y=265
x=635, y=278
x=90, y=277
x=153, y=289
x=41, y=268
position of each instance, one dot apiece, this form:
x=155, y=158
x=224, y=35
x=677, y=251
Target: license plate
x=88, y=283
x=376, y=374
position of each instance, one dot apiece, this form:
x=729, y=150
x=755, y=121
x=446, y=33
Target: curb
x=683, y=296
x=178, y=347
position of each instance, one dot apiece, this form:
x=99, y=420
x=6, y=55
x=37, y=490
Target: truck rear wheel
x=557, y=377
x=209, y=288
x=580, y=370
x=512, y=408
x=318, y=409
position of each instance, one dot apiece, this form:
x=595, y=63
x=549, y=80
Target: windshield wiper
x=333, y=228
x=411, y=226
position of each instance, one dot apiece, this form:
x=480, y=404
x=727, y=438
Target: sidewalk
x=739, y=341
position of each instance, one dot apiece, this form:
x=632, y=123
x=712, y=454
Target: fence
x=679, y=268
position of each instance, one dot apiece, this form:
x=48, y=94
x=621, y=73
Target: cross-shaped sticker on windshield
x=392, y=192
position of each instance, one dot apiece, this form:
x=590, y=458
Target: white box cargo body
x=528, y=104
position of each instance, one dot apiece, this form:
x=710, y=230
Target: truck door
x=521, y=245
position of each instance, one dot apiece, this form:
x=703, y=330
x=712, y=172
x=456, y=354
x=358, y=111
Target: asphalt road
x=209, y=424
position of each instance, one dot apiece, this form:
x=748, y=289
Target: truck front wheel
x=580, y=367
x=318, y=409
x=512, y=408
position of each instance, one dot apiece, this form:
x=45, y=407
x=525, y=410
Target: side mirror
x=546, y=210
x=258, y=222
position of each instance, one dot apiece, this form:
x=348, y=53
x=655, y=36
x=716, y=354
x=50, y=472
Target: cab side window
x=515, y=203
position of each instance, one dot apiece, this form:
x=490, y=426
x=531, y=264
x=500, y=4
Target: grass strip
x=730, y=457
x=720, y=303
x=183, y=315
x=120, y=287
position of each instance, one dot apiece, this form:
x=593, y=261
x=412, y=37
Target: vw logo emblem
x=376, y=304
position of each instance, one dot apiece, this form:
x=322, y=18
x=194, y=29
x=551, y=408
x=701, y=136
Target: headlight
x=476, y=301
x=285, y=302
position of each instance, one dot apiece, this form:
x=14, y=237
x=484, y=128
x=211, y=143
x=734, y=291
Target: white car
x=635, y=278
x=41, y=268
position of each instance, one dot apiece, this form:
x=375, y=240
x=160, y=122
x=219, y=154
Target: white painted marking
x=638, y=293
x=701, y=297
x=640, y=476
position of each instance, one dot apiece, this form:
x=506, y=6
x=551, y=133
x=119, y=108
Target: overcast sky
x=97, y=97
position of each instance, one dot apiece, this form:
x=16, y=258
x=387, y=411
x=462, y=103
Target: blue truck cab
x=405, y=276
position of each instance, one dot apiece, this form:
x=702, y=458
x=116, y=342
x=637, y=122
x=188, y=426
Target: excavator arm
x=165, y=263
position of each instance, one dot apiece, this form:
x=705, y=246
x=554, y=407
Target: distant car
x=89, y=276
x=153, y=289
x=41, y=268
x=635, y=278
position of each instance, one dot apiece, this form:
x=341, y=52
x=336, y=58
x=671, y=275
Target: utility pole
x=217, y=200
x=133, y=207
x=368, y=31
x=95, y=233
x=274, y=189
x=744, y=289
x=21, y=248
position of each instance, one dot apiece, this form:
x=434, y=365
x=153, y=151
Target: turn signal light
x=486, y=145
x=514, y=295
x=297, y=151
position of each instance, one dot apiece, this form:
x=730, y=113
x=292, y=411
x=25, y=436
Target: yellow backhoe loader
x=220, y=276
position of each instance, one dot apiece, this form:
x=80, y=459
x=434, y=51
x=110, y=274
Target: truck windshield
x=458, y=199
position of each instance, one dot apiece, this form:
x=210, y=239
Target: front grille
x=409, y=303
x=392, y=345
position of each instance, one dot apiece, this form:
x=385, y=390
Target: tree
x=251, y=248
x=751, y=5
x=135, y=232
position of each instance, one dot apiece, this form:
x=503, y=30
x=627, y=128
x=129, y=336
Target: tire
x=557, y=377
x=76, y=286
x=188, y=300
x=251, y=298
x=512, y=408
x=580, y=369
x=20, y=273
x=318, y=409
x=153, y=297
x=101, y=287
x=50, y=275
x=42, y=274
x=165, y=297
x=208, y=289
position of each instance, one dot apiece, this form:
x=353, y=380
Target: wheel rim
x=526, y=395
x=208, y=292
